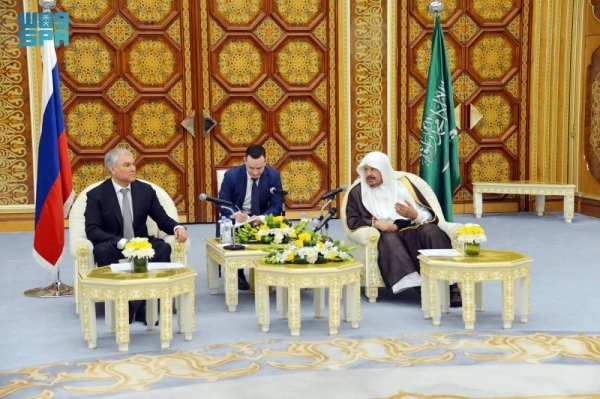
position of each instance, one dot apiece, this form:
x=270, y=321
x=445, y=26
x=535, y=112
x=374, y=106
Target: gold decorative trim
x=206, y=105
x=403, y=82
x=191, y=156
x=344, y=89
x=576, y=98
x=332, y=93
x=534, y=124
x=566, y=83
x=369, y=96
x=392, y=85
x=555, y=91
x=8, y=209
x=524, y=114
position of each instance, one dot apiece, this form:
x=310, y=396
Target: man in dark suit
x=249, y=187
x=117, y=211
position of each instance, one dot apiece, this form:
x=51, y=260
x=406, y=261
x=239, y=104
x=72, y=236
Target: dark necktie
x=254, y=201
x=127, y=218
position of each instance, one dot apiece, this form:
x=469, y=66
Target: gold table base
x=55, y=290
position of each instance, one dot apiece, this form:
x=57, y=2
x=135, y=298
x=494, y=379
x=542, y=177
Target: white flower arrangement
x=138, y=248
x=472, y=233
x=309, y=248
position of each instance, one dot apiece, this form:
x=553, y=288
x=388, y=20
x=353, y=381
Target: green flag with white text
x=439, y=139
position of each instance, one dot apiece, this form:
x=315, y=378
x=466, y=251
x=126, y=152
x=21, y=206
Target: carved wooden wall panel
x=487, y=44
x=16, y=157
x=269, y=78
x=125, y=81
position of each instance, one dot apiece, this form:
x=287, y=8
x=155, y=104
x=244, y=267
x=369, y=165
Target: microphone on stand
x=217, y=201
x=326, y=219
x=275, y=190
x=229, y=206
x=333, y=192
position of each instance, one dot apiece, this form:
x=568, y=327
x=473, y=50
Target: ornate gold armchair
x=367, y=237
x=82, y=249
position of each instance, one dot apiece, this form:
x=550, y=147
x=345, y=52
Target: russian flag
x=54, y=186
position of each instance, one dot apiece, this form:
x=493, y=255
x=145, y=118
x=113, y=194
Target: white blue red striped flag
x=54, y=186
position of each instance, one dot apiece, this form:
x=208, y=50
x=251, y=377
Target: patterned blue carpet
x=395, y=353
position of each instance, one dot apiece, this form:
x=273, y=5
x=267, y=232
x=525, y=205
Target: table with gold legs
x=101, y=284
x=332, y=275
x=470, y=272
x=230, y=261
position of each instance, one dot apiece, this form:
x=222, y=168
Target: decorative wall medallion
x=90, y=123
x=497, y=113
x=299, y=122
x=86, y=173
x=492, y=10
x=274, y=150
x=269, y=32
x=153, y=124
x=269, y=93
x=161, y=174
x=84, y=11
x=491, y=166
x=297, y=12
x=149, y=11
x=299, y=62
x=88, y=61
x=464, y=87
x=238, y=12
x=242, y=122
x=121, y=93
x=465, y=28
x=492, y=56
x=174, y=31
x=118, y=30
x=151, y=61
x=240, y=62
x=302, y=178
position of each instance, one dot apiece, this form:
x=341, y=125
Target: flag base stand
x=55, y=290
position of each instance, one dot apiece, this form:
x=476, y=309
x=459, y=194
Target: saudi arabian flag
x=439, y=141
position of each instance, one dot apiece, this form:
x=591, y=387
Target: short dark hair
x=256, y=151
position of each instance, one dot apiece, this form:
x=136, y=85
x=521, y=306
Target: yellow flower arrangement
x=138, y=248
x=309, y=247
x=274, y=229
x=471, y=233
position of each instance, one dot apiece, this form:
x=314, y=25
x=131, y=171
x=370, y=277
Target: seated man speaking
x=405, y=219
x=117, y=211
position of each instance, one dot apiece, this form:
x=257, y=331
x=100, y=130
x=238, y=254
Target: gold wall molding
x=17, y=125
x=368, y=129
x=551, y=90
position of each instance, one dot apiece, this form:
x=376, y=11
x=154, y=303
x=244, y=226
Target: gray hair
x=110, y=159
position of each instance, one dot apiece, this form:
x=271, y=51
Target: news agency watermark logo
x=37, y=27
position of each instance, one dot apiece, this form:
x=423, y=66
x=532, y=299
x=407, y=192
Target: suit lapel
x=113, y=201
x=136, y=198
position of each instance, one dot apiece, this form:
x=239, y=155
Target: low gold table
x=101, y=284
x=470, y=273
x=231, y=261
x=332, y=275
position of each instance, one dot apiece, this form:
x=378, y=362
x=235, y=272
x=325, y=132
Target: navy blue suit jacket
x=233, y=189
x=104, y=220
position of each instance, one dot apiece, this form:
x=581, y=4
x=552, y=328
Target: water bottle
x=303, y=217
x=312, y=224
x=226, y=228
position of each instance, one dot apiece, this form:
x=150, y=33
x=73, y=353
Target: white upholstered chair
x=367, y=237
x=82, y=249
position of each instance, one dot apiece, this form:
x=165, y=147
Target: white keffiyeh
x=380, y=201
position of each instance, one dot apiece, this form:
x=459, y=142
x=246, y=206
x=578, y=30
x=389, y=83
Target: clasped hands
x=405, y=209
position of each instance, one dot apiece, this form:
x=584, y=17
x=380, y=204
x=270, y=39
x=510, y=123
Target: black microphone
x=327, y=217
x=217, y=201
x=275, y=190
x=333, y=192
